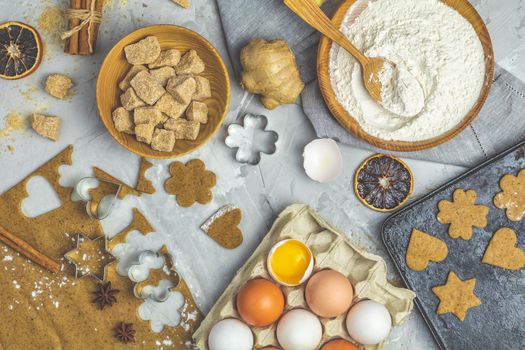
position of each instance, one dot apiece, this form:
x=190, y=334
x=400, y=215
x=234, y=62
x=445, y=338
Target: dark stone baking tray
x=499, y=323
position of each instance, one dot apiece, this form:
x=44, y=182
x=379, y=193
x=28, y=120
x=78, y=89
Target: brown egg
x=260, y=302
x=270, y=348
x=329, y=293
x=339, y=344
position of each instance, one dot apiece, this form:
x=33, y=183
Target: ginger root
x=270, y=70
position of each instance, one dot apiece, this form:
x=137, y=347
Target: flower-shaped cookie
x=462, y=213
x=190, y=183
x=512, y=198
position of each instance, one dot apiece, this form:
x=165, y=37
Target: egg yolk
x=290, y=261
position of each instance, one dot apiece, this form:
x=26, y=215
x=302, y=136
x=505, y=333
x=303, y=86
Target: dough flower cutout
x=462, y=214
x=512, y=197
x=190, y=182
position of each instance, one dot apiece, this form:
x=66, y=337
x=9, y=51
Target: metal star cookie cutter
x=81, y=259
x=151, y=282
x=101, y=209
x=251, y=139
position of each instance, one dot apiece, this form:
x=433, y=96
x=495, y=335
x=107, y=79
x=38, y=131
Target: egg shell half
x=368, y=322
x=322, y=160
x=329, y=293
x=299, y=329
x=230, y=334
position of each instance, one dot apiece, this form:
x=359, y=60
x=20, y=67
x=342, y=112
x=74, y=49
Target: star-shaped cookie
x=456, y=296
x=462, y=214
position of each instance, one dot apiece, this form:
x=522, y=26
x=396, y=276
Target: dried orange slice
x=20, y=50
x=383, y=182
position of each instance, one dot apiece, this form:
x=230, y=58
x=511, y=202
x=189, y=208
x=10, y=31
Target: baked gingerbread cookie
x=512, y=196
x=190, y=182
x=503, y=252
x=223, y=227
x=462, y=214
x=424, y=248
x=456, y=296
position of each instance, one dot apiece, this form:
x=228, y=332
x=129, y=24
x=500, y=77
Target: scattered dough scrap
x=163, y=74
x=184, y=129
x=169, y=57
x=182, y=88
x=147, y=115
x=46, y=126
x=190, y=182
x=147, y=88
x=197, y=111
x=130, y=100
x=145, y=51
x=203, y=89
x=144, y=184
x=123, y=120
x=462, y=214
x=423, y=248
x=58, y=85
x=190, y=63
x=163, y=140
x=456, y=296
x=144, y=132
x=512, y=196
x=124, y=84
x=183, y=3
x=503, y=252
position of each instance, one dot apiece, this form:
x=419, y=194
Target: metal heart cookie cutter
x=251, y=139
x=147, y=272
x=101, y=209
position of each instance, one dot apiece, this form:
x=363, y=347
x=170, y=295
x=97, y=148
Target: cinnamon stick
x=99, y=7
x=71, y=45
x=84, y=32
x=28, y=251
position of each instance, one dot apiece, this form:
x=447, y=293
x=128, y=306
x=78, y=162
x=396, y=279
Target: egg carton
x=331, y=249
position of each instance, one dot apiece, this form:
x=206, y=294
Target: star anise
x=125, y=332
x=105, y=295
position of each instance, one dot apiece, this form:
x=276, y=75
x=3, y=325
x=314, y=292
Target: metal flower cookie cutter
x=101, y=208
x=153, y=276
x=251, y=139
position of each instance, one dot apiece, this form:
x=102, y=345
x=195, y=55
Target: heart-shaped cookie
x=223, y=228
x=503, y=252
x=423, y=248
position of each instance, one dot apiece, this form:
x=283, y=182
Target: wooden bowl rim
x=349, y=123
x=222, y=66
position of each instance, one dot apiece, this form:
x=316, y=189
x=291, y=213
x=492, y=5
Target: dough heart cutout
x=424, y=248
x=503, y=252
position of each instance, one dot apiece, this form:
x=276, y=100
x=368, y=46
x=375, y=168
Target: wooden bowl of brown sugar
x=115, y=67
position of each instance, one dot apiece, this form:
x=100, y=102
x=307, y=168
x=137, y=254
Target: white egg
x=230, y=334
x=299, y=330
x=322, y=160
x=368, y=322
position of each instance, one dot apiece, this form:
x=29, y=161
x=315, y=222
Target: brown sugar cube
x=183, y=3
x=46, y=126
x=147, y=88
x=144, y=132
x=203, y=90
x=130, y=100
x=190, y=63
x=124, y=84
x=171, y=107
x=164, y=118
x=145, y=51
x=58, y=85
x=182, y=88
x=169, y=57
x=147, y=115
x=184, y=129
x=163, y=140
x=197, y=111
x=162, y=74
x=123, y=121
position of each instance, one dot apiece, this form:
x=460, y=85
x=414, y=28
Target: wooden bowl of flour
x=352, y=125
x=115, y=67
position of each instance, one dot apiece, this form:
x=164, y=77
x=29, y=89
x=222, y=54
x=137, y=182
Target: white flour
x=432, y=42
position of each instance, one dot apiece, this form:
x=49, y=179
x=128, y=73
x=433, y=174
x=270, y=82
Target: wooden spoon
x=310, y=12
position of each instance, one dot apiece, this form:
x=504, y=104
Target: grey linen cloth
x=500, y=124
